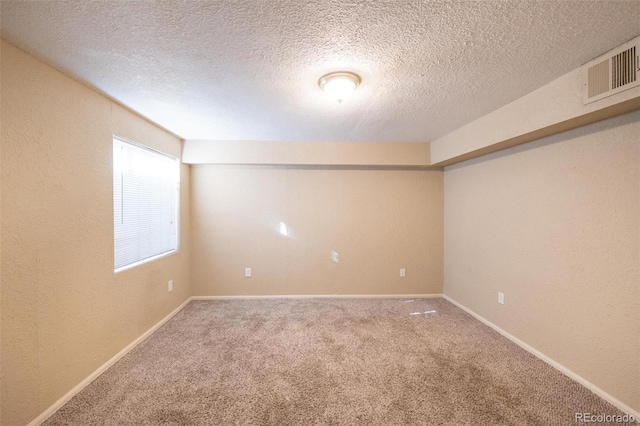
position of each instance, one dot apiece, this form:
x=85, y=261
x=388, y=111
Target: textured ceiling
x=248, y=70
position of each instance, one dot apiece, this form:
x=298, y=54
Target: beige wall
x=550, y=109
x=554, y=225
x=378, y=221
x=307, y=153
x=64, y=311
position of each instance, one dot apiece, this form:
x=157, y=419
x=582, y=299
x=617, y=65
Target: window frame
x=140, y=146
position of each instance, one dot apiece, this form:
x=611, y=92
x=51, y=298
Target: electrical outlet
x=335, y=257
x=247, y=272
x=403, y=272
x=501, y=298
x=170, y=285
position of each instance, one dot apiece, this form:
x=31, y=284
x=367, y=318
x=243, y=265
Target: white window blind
x=145, y=203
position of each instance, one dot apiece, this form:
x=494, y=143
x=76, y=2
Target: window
x=145, y=203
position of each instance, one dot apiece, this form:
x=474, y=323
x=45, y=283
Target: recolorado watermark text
x=604, y=418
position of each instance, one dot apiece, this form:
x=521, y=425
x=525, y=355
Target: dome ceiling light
x=339, y=85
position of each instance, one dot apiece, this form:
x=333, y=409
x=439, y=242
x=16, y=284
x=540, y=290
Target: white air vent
x=612, y=72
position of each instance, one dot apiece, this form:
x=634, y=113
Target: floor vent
x=613, y=72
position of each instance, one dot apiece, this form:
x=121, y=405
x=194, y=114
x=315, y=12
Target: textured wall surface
x=306, y=153
x=249, y=70
x=64, y=311
x=554, y=104
x=378, y=221
x=555, y=226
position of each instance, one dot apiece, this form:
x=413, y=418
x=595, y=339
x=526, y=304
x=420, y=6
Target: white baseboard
x=323, y=296
x=59, y=403
x=604, y=395
x=584, y=382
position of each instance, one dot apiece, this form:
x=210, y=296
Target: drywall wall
x=550, y=109
x=307, y=153
x=555, y=226
x=377, y=221
x=64, y=310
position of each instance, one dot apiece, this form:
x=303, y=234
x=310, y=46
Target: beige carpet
x=329, y=362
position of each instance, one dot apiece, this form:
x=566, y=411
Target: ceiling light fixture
x=339, y=85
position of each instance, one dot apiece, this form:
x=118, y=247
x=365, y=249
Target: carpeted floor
x=329, y=362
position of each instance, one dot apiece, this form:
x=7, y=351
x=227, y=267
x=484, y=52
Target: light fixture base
x=339, y=84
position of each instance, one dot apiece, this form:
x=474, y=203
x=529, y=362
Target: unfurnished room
x=384, y=212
